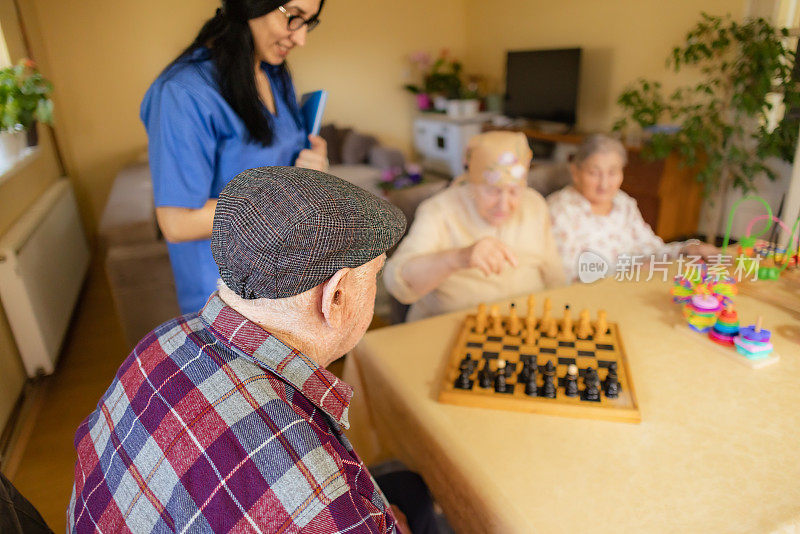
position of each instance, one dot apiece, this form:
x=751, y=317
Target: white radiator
x=43, y=261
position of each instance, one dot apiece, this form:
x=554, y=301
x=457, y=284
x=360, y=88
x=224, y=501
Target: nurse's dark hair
x=228, y=36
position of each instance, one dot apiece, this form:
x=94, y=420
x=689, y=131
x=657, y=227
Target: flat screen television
x=542, y=85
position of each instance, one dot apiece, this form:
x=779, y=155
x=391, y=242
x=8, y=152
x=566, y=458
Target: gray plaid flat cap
x=280, y=231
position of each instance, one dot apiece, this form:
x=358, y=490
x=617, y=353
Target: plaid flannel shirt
x=212, y=424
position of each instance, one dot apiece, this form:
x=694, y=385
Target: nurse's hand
x=316, y=157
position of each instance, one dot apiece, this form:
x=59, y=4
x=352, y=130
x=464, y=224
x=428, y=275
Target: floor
x=42, y=468
x=92, y=352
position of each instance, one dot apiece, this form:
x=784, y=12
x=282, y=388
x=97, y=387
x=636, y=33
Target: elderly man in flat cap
x=226, y=419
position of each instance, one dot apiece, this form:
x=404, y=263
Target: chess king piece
x=480, y=319
x=601, y=326
x=547, y=317
x=496, y=320
x=591, y=385
x=485, y=375
x=513, y=320
x=571, y=381
x=549, y=387
x=500, y=377
x=566, y=325
x=611, y=385
x=584, y=325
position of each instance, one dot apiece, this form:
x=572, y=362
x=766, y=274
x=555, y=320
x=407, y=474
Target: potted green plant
x=24, y=101
x=441, y=81
x=724, y=124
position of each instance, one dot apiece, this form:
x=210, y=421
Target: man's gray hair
x=599, y=143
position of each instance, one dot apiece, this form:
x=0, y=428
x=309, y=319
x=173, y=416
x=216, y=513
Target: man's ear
x=333, y=298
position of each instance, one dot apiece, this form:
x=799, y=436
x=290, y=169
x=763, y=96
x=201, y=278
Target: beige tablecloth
x=718, y=449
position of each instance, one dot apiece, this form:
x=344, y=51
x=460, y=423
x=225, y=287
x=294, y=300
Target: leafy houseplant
x=722, y=122
x=441, y=77
x=24, y=97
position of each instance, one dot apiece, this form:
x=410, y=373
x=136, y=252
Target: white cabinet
x=441, y=140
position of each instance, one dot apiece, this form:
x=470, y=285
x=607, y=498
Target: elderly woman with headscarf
x=593, y=215
x=485, y=238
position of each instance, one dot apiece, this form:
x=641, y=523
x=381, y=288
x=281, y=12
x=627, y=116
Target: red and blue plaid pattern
x=213, y=425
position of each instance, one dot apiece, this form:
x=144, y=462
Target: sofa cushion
x=129, y=214
x=356, y=147
x=335, y=138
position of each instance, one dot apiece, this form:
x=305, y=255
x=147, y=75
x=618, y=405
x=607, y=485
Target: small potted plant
x=441, y=81
x=24, y=101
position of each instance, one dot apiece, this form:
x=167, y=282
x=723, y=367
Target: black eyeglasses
x=295, y=22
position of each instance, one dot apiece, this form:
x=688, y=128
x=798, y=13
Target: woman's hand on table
x=701, y=249
x=490, y=255
x=316, y=157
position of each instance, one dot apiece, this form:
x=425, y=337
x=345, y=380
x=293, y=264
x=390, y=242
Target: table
x=718, y=449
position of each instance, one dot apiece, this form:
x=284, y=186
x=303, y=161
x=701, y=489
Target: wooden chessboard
x=514, y=350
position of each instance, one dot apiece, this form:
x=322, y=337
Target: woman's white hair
x=599, y=143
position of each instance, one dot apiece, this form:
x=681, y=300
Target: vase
x=440, y=103
x=12, y=143
x=423, y=101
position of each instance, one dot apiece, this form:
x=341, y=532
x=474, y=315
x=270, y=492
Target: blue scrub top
x=197, y=144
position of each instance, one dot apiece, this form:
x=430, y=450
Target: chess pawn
x=513, y=320
x=497, y=322
x=584, y=325
x=552, y=328
x=571, y=381
x=566, y=325
x=500, y=377
x=480, y=319
x=601, y=326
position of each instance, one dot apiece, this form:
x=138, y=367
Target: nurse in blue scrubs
x=226, y=104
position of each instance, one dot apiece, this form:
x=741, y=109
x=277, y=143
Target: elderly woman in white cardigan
x=593, y=214
x=485, y=238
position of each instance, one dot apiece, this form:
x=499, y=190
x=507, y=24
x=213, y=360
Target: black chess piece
x=485, y=376
x=571, y=381
x=611, y=385
x=463, y=381
x=549, y=387
x=591, y=385
x=522, y=377
x=500, y=382
x=468, y=363
x=530, y=383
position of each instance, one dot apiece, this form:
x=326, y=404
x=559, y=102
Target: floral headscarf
x=498, y=158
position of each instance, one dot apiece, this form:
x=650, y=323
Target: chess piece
x=566, y=325
x=584, y=325
x=485, y=375
x=552, y=328
x=522, y=377
x=601, y=326
x=497, y=322
x=611, y=386
x=500, y=377
x=530, y=383
x=547, y=316
x=480, y=319
x=549, y=387
x=530, y=330
x=513, y=320
x=571, y=381
x=463, y=381
x=468, y=363
x=591, y=385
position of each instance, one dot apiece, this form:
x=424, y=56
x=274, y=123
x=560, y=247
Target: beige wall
x=105, y=54
x=17, y=192
x=622, y=40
